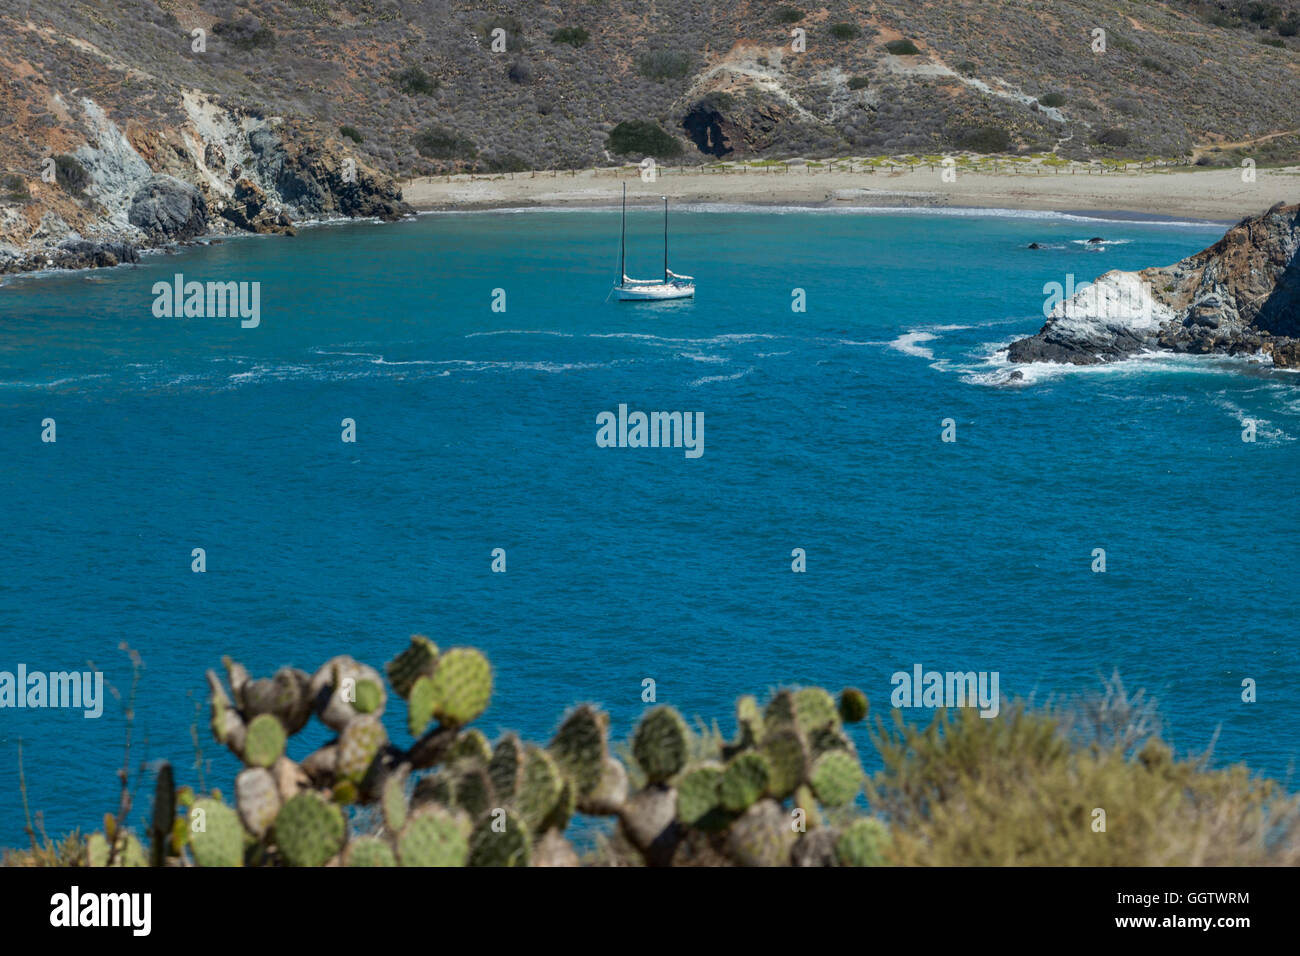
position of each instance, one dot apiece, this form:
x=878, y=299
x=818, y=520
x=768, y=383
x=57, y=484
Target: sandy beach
x=1217, y=194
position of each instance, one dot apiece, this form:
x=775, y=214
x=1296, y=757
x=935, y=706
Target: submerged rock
x=1239, y=296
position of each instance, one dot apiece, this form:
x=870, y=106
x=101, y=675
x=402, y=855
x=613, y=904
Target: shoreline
x=1210, y=195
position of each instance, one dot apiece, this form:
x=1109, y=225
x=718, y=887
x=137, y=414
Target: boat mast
x=622, y=241
x=665, y=239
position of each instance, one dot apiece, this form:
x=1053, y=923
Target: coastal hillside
x=137, y=122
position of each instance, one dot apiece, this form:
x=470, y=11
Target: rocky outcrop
x=211, y=169
x=1239, y=296
x=168, y=210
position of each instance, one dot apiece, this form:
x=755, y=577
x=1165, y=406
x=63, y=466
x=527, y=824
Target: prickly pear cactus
x=699, y=802
x=420, y=701
x=506, y=766
x=661, y=744
x=369, y=851
x=471, y=746
x=814, y=709
x=393, y=802
x=420, y=659
x=540, y=789
x=501, y=838
x=216, y=836
x=853, y=705
x=462, y=686
x=836, y=778
x=265, y=741
x=258, y=799
x=580, y=746
x=309, y=830
x=433, y=837
x=359, y=744
x=130, y=853
x=744, y=781
x=787, y=758
x=862, y=843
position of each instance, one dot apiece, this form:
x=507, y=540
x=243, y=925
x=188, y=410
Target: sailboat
x=671, y=286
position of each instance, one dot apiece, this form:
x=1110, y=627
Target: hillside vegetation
x=1090, y=783
x=410, y=87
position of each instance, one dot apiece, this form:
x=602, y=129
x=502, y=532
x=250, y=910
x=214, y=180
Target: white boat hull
x=655, y=292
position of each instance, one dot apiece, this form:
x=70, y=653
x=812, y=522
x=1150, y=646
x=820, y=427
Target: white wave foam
x=909, y=344
x=720, y=378
x=563, y=335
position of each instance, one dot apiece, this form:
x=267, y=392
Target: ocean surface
x=476, y=430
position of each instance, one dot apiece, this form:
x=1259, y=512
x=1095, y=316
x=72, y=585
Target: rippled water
x=476, y=430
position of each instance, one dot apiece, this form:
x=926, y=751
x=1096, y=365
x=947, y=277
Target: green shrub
x=858, y=82
x=967, y=68
x=352, y=133
x=789, y=15
x=1023, y=790
x=1288, y=28
x=1273, y=41
x=1154, y=65
x=642, y=138
x=664, y=64
x=574, y=36
x=845, y=31
x=1112, y=136
x=439, y=142
x=413, y=81
x=70, y=174
x=13, y=188
x=1051, y=99
x=246, y=33
x=986, y=138
x=902, y=47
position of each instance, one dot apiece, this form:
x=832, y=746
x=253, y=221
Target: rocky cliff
x=1239, y=296
x=205, y=169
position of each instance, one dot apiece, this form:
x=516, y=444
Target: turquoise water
x=476, y=430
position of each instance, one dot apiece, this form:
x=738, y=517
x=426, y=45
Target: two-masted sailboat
x=671, y=286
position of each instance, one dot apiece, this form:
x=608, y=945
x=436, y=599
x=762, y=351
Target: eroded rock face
x=168, y=210
x=1239, y=296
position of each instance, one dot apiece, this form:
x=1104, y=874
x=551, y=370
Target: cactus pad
x=580, y=746
x=698, y=802
x=309, y=830
x=258, y=799
x=470, y=745
x=661, y=743
x=540, y=789
x=744, y=781
x=853, y=705
x=432, y=837
x=836, y=778
x=419, y=705
x=814, y=708
x=506, y=766
x=787, y=758
x=420, y=659
x=462, y=686
x=369, y=851
x=359, y=744
x=393, y=802
x=265, y=741
x=501, y=838
x=216, y=837
x=862, y=843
